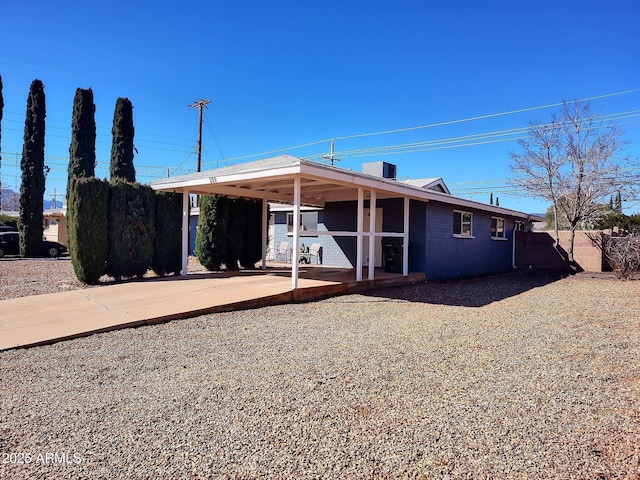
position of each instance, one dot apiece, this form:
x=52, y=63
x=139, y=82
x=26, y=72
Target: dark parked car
x=10, y=245
x=8, y=228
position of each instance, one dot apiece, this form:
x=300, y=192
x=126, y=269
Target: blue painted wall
x=432, y=247
x=447, y=256
x=417, y=236
x=193, y=231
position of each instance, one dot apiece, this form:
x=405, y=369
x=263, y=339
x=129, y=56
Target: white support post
x=405, y=246
x=185, y=230
x=295, y=255
x=265, y=222
x=359, y=235
x=372, y=237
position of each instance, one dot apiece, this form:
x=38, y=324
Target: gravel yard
x=517, y=376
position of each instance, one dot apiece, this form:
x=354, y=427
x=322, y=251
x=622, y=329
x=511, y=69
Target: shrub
x=168, y=242
x=623, y=254
x=211, y=240
x=9, y=221
x=131, y=229
x=87, y=227
x=229, y=231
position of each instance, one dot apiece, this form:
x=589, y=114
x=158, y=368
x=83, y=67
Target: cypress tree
x=122, y=146
x=618, y=202
x=33, y=178
x=82, y=151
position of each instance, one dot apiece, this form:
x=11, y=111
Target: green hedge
x=87, y=227
x=211, y=244
x=131, y=229
x=229, y=233
x=167, y=257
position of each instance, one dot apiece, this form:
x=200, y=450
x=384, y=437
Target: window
x=308, y=222
x=497, y=227
x=462, y=224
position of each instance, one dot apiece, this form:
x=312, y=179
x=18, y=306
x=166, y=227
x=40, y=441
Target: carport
x=289, y=180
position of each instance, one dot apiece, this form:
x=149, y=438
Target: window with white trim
x=308, y=221
x=462, y=223
x=497, y=227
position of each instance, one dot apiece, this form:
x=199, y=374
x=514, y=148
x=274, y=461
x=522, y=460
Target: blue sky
x=285, y=73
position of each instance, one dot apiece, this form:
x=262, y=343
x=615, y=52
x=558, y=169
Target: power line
x=419, y=127
x=484, y=117
x=461, y=141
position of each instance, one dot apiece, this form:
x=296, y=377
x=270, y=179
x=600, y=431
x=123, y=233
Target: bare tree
x=575, y=163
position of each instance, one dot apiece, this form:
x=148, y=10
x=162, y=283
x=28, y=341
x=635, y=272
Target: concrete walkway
x=43, y=319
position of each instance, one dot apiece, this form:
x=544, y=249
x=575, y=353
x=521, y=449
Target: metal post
x=295, y=255
x=372, y=237
x=265, y=221
x=185, y=230
x=405, y=243
x=359, y=235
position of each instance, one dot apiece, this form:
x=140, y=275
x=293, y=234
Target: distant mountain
x=48, y=204
x=11, y=201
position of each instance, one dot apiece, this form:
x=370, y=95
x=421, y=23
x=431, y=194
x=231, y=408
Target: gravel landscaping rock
x=518, y=376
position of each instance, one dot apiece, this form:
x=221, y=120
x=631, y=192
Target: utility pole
x=200, y=105
x=331, y=157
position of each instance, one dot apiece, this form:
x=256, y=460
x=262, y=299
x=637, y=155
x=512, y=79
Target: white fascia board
x=178, y=183
x=209, y=177
x=256, y=174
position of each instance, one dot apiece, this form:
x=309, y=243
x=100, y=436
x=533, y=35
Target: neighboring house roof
x=272, y=179
x=435, y=183
x=55, y=212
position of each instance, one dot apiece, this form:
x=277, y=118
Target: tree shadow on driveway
x=476, y=292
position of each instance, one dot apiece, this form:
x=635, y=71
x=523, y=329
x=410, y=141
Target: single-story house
x=54, y=224
x=416, y=226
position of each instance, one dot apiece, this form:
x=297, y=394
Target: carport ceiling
x=280, y=190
